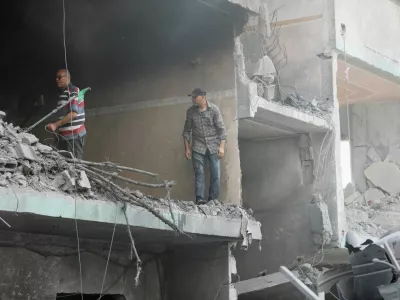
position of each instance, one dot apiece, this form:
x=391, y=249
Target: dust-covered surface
x=378, y=209
x=26, y=163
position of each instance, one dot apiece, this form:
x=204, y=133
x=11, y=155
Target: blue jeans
x=199, y=161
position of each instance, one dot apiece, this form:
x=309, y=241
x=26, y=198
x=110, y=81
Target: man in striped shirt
x=71, y=118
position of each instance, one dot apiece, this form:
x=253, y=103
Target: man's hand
x=221, y=152
x=52, y=127
x=188, y=153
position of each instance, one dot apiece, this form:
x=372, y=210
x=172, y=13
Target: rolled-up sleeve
x=187, y=129
x=219, y=124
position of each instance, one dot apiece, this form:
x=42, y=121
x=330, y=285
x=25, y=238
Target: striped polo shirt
x=76, y=128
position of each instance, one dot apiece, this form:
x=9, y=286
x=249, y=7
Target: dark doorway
x=62, y=296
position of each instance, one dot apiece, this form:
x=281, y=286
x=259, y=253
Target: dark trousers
x=75, y=146
x=199, y=162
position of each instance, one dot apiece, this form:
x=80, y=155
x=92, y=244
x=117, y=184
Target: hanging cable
x=73, y=150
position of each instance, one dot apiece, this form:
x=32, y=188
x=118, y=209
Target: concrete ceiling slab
x=363, y=85
x=251, y=129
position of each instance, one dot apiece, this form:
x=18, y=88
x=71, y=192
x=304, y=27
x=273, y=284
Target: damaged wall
x=28, y=275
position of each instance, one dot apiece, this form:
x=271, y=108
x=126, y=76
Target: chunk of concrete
x=2, y=115
x=64, y=181
x=83, y=181
x=2, y=131
x=66, y=154
x=349, y=190
x=25, y=151
x=373, y=155
x=263, y=67
x=384, y=175
x=43, y=148
x=29, y=139
x=354, y=199
x=11, y=150
x=374, y=195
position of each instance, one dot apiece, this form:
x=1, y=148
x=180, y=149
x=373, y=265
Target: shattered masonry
x=375, y=211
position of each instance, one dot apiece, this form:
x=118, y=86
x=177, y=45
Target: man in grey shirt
x=205, y=128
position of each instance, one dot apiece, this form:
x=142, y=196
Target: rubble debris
x=2, y=115
x=29, y=139
x=373, y=196
x=314, y=107
x=83, y=181
x=356, y=197
x=25, y=152
x=321, y=226
x=384, y=175
x=37, y=166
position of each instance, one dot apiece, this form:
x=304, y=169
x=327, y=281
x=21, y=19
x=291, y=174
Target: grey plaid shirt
x=207, y=128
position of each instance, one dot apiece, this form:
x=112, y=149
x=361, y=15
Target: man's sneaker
x=201, y=202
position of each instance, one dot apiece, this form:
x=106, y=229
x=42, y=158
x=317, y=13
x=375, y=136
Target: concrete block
x=43, y=148
x=11, y=150
x=29, y=139
x=83, y=181
x=349, y=190
x=354, y=199
x=374, y=195
x=64, y=181
x=25, y=151
x=384, y=175
x=2, y=115
x=373, y=155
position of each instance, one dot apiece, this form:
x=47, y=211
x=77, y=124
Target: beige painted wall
x=151, y=139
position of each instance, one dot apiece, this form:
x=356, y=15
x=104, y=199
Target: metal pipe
x=305, y=290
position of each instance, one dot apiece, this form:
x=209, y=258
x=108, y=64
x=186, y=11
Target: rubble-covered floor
x=377, y=210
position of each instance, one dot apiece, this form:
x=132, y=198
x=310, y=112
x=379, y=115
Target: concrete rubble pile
x=26, y=163
x=377, y=210
x=314, y=107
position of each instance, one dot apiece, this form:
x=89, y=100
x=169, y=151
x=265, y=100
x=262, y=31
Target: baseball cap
x=197, y=92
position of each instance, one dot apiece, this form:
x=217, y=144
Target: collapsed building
x=275, y=68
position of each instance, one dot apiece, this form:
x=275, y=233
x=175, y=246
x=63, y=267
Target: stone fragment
x=373, y=196
x=83, y=181
x=29, y=139
x=384, y=175
x=348, y=190
x=66, y=154
x=64, y=181
x=11, y=150
x=373, y=155
x=3, y=183
x=2, y=130
x=354, y=199
x=2, y=115
x=26, y=167
x=25, y=152
x=43, y=148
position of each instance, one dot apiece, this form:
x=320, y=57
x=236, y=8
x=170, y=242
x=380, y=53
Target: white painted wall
x=372, y=32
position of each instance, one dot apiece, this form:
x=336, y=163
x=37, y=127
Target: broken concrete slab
x=83, y=181
x=373, y=155
x=29, y=139
x=348, y=190
x=354, y=199
x=374, y=196
x=25, y=151
x=384, y=175
x=43, y=148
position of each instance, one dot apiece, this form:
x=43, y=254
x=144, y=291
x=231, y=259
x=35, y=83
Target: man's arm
x=187, y=131
x=219, y=124
x=72, y=108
